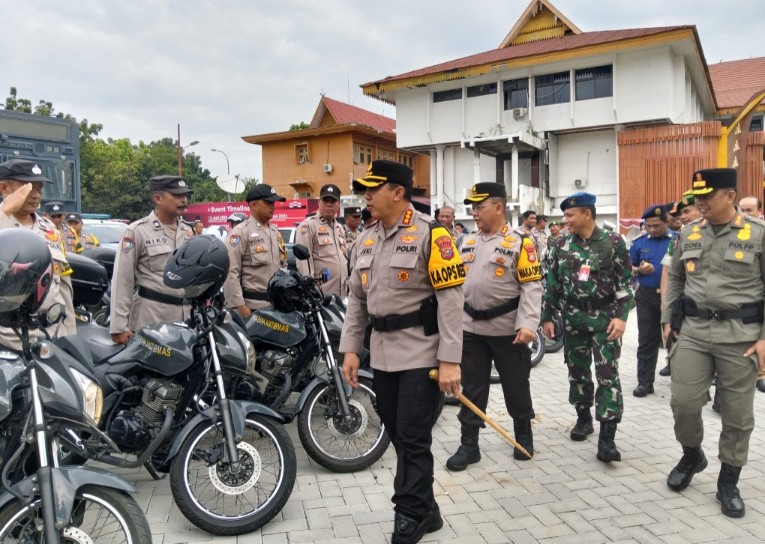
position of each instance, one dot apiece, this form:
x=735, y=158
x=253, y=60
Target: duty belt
x=591, y=305
x=482, y=315
x=156, y=296
x=254, y=295
x=748, y=313
x=390, y=323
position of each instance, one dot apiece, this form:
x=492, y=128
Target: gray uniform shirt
x=393, y=271
x=328, y=247
x=140, y=261
x=255, y=252
x=499, y=269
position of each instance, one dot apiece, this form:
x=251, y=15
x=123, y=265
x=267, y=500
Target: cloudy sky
x=229, y=68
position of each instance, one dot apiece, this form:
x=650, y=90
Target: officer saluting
x=139, y=296
x=256, y=251
x=407, y=277
x=716, y=288
x=352, y=215
x=503, y=299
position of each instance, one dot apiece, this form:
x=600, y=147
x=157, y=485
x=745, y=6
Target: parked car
x=108, y=232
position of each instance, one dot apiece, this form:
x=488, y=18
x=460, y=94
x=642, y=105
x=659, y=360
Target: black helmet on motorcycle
x=284, y=291
x=26, y=271
x=235, y=218
x=199, y=266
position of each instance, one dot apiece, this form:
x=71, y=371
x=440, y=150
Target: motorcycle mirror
x=300, y=252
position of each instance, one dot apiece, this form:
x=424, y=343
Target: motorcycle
x=45, y=393
x=232, y=465
x=338, y=426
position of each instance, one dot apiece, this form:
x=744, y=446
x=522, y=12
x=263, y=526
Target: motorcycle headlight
x=92, y=395
x=251, y=356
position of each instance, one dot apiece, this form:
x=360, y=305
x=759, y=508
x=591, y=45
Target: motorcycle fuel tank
x=273, y=327
x=164, y=348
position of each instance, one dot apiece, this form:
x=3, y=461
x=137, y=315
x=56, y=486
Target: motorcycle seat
x=99, y=341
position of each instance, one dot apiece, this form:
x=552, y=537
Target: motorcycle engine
x=274, y=364
x=134, y=429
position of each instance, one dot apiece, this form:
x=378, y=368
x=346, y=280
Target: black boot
x=666, y=371
x=727, y=491
x=468, y=452
x=692, y=462
x=607, y=451
x=525, y=438
x=583, y=427
x=409, y=530
x=716, y=402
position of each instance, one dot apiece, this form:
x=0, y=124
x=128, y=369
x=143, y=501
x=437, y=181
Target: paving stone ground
x=564, y=495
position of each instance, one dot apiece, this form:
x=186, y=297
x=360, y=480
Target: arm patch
x=445, y=268
x=529, y=268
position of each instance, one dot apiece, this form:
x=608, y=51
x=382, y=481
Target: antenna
x=349, y=87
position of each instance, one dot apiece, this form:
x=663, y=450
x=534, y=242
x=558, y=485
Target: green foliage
x=300, y=126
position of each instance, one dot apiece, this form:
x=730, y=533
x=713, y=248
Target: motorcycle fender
x=240, y=409
x=324, y=379
x=66, y=482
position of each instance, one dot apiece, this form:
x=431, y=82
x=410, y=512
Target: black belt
x=749, y=313
x=496, y=311
x=254, y=295
x=156, y=296
x=390, y=323
x=591, y=305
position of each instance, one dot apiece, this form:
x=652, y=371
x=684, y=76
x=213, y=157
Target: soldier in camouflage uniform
x=589, y=278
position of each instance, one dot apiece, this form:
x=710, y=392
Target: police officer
x=324, y=237
x=717, y=269
x=139, y=296
x=75, y=240
x=352, y=215
x=21, y=185
x=256, y=252
x=646, y=254
x=407, y=277
x=503, y=299
x=540, y=234
x=752, y=206
x=589, y=278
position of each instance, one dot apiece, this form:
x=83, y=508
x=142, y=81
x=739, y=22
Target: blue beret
x=577, y=200
x=654, y=211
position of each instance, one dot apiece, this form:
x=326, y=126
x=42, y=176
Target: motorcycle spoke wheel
x=224, y=500
x=337, y=443
x=99, y=516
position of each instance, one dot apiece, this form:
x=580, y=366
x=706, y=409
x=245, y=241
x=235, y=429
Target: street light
x=228, y=170
x=180, y=150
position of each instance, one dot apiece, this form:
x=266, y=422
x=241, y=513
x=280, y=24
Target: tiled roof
x=345, y=114
x=552, y=45
x=736, y=81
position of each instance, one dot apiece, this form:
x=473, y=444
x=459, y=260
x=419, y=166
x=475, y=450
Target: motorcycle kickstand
x=152, y=472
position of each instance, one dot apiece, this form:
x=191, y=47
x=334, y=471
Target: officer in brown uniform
x=76, y=241
x=503, y=302
x=714, y=304
x=407, y=277
x=139, y=296
x=352, y=215
x=324, y=237
x=21, y=183
x=256, y=251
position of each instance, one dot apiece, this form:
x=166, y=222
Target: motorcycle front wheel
x=336, y=443
x=100, y=516
x=537, y=347
x=224, y=500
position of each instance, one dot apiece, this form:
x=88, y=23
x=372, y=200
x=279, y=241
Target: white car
x=109, y=233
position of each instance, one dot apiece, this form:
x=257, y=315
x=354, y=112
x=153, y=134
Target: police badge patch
x=127, y=244
x=234, y=240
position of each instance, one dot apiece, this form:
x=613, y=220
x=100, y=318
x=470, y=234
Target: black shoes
x=407, y=530
x=525, y=437
x=643, y=389
x=583, y=427
x=692, y=462
x=607, y=451
x=732, y=504
x=716, y=402
x=666, y=371
x=761, y=385
x=468, y=452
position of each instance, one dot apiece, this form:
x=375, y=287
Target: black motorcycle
x=338, y=426
x=232, y=465
x=44, y=394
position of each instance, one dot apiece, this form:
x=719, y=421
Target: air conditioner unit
x=328, y=168
x=580, y=183
x=519, y=112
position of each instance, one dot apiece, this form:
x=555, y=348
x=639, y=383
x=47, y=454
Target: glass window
x=362, y=154
x=595, y=82
x=451, y=94
x=481, y=90
x=386, y=155
x=407, y=160
x=756, y=124
x=552, y=89
x=516, y=93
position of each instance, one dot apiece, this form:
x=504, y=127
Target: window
x=756, y=124
x=595, y=82
x=301, y=154
x=451, y=94
x=362, y=154
x=407, y=160
x=304, y=194
x=552, y=89
x=516, y=93
x=481, y=90
x=386, y=155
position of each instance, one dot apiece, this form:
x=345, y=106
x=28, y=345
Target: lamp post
x=228, y=170
x=180, y=150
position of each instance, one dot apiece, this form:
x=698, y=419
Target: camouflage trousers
x=580, y=348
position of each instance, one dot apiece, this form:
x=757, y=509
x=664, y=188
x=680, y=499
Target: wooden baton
x=433, y=375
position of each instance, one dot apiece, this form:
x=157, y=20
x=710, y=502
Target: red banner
x=286, y=214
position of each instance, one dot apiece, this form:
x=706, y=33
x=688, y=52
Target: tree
x=299, y=126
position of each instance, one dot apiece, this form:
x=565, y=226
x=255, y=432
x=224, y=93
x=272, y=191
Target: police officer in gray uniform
x=139, y=296
x=714, y=305
x=255, y=251
x=503, y=302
